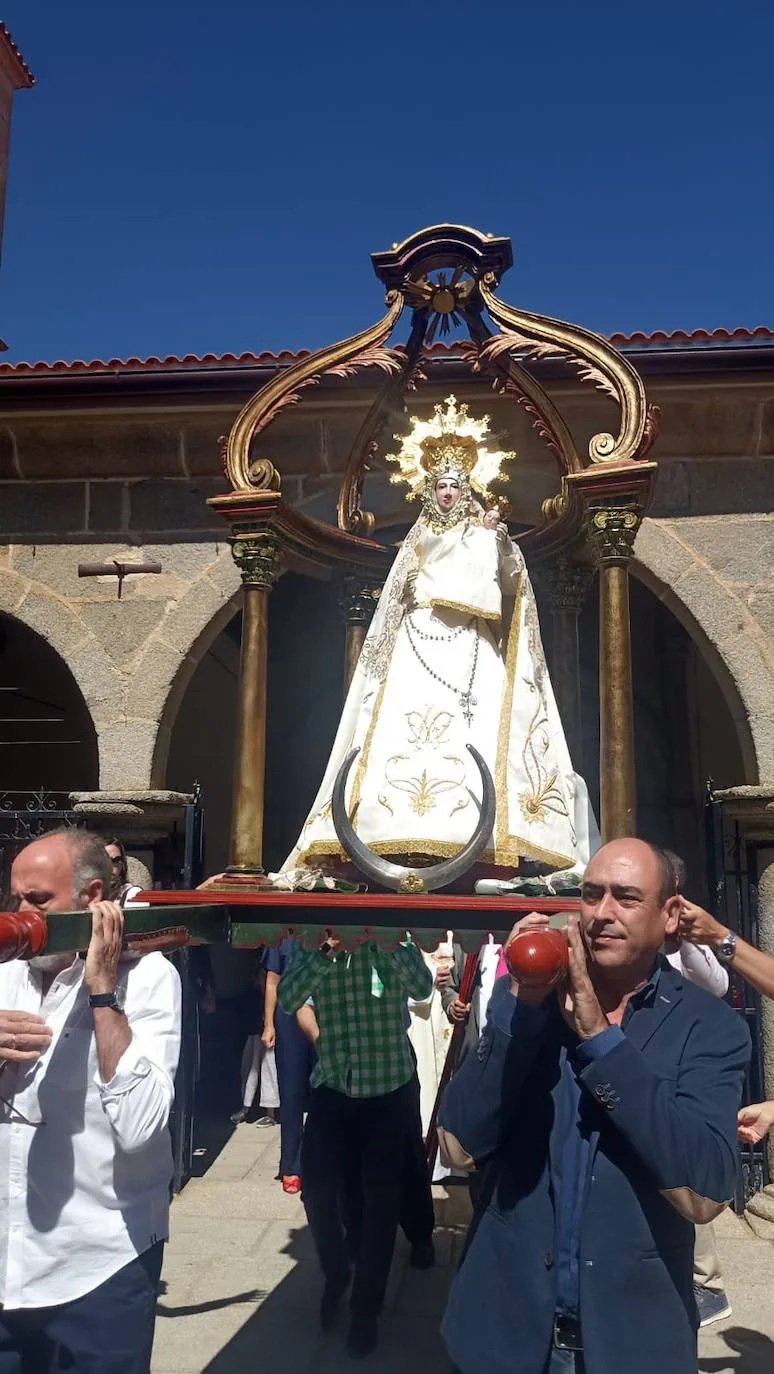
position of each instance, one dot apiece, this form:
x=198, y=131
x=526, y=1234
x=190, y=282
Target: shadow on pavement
x=211, y=1135
x=284, y=1331
x=752, y=1353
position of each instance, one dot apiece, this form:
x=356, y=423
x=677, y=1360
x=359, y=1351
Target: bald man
x=604, y=1115
x=88, y=1051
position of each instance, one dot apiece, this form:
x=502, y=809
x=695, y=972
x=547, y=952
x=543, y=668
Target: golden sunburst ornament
x=451, y=442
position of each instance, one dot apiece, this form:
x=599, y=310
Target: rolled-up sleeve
x=138, y=1099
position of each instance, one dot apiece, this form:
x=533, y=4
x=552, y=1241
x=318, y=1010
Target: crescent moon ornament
x=397, y=876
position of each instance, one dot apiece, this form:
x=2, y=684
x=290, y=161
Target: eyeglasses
x=19, y=1116
x=14, y=1111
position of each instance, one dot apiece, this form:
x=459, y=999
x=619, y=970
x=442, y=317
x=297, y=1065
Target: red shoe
x=291, y=1183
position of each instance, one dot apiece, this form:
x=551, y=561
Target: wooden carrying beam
x=247, y=920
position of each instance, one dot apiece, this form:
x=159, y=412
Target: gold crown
x=449, y=453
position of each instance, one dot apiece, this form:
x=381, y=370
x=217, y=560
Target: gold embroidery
x=429, y=729
x=545, y=796
x=460, y=606
x=421, y=788
x=506, y=855
x=376, y=653
x=504, y=728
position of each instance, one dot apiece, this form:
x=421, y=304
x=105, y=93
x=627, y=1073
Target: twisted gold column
x=257, y=557
x=611, y=531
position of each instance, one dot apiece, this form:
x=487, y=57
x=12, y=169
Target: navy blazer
x=661, y=1112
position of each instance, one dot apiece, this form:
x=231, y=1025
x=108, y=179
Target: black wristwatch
x=116, y=1000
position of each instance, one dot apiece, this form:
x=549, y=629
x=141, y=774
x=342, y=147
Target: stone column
x=566, y=585
x=611, y=531
x=257, y=557
x=357, y=601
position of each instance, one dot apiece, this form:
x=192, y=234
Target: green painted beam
x=207, y=925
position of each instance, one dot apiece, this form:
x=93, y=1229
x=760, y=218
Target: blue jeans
x=107, y=1331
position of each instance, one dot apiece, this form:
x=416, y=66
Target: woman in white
x=453, y=657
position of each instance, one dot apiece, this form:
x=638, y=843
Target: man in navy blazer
x=604, y=1118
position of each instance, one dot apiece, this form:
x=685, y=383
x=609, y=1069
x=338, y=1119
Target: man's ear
x=93, y=892
x=672, y=908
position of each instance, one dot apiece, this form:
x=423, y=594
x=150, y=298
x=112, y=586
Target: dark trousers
x=107, y=1331
x=566, y=1362
x=417, y=1218
x=351, y=1141
x=295, y=1059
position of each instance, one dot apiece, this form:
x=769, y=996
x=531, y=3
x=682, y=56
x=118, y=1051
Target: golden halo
x=452, y=441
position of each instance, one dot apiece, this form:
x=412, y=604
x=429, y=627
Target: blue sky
x=189, y=177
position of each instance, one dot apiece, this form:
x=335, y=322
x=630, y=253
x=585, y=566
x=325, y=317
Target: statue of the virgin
x=453, y=656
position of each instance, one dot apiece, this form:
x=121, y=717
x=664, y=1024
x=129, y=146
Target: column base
x=138, y=817
x=238, y=880
x=759, y=1213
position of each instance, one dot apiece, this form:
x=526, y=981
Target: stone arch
x=49, y=736
x=179, y=645
x=52, y=618
x=729, y=639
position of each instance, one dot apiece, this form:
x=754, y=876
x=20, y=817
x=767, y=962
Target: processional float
x=445, y=277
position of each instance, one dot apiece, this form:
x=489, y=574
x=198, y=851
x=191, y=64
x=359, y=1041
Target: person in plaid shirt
x=362, y=1109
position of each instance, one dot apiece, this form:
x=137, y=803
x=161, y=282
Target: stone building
x=136, y=676
x=121, y=690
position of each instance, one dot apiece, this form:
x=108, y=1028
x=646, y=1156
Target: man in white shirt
x=88, y=1052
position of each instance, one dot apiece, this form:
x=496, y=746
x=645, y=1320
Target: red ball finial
x=537, y=958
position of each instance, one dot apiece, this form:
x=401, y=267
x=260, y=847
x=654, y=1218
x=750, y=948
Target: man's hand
x=269, y=1038
x=104, y=952
x=442, y=975
x=458, y=1011
x=24, y=1037
x=753, y=1123
x=698, y=927
x=578, y=1000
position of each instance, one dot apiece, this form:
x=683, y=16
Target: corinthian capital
x=611, y=532
x=357, y=600
x=566, y=584
x=257, y=557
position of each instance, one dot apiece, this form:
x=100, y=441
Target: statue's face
x=447, y=493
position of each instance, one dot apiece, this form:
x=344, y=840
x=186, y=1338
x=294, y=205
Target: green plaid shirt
x=359, y=1001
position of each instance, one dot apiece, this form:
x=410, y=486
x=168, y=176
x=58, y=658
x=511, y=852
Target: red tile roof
x=696, y=338
x=678, y=338
x=6, y=42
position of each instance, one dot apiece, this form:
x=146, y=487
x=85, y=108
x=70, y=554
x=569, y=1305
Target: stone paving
x=241, y=1285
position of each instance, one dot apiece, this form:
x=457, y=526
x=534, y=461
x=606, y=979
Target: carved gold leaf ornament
x=596, y=361
x=412, y=883
x=284, y=389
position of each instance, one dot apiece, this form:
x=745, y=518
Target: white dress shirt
x=699, y=965
x=87, y=1191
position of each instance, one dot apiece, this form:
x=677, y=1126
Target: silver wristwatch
x=726, y=950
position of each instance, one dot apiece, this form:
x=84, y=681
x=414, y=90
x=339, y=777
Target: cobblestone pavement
x=242, y=1287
